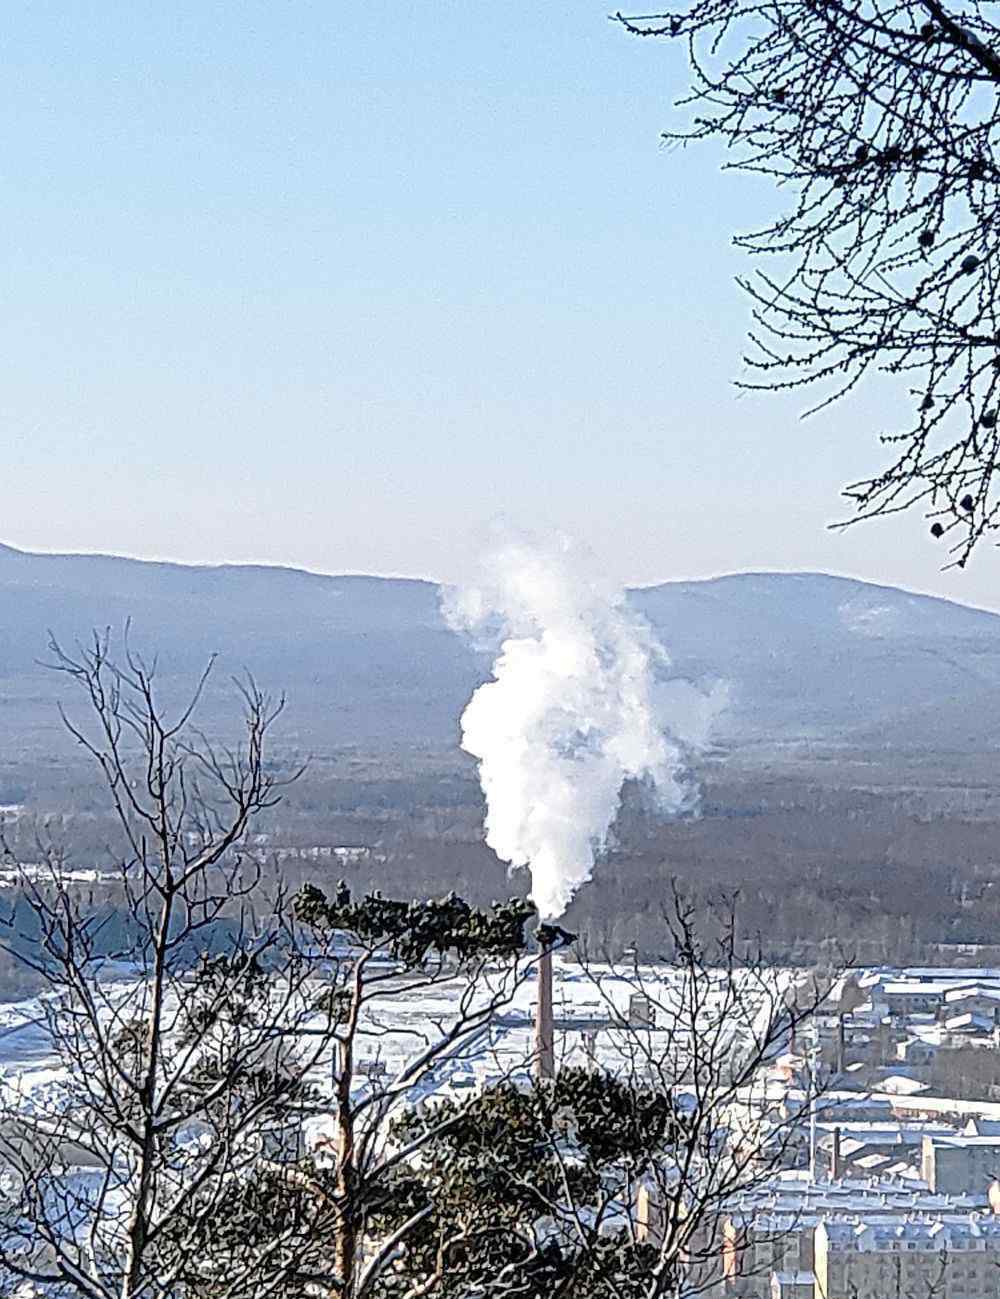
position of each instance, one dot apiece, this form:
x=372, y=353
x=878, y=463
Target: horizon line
x=288, y=567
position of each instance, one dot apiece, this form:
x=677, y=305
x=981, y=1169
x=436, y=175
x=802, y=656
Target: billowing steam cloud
x=569, y=715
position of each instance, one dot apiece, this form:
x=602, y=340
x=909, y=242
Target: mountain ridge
x=238, y=567
x=369, y=660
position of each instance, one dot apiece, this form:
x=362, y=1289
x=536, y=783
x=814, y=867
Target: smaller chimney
x=841, y=1045
x=835, y=1162
x=545, y=1055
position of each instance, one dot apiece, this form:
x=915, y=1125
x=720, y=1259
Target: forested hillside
x=370, y=662
x=847, y=784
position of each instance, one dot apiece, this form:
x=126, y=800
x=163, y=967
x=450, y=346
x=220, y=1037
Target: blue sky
x=336, y=285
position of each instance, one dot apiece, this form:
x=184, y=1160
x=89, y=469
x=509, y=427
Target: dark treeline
x=889, y=871
x=886, y=867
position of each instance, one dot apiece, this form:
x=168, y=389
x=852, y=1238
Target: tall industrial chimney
x=545, y=1052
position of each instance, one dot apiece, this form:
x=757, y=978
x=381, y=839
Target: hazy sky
x=333, y=285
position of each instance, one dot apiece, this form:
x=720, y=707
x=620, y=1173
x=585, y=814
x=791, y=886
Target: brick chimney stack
x=545, y=1055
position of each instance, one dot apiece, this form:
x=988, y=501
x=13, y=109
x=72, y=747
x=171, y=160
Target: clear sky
x=334, y=285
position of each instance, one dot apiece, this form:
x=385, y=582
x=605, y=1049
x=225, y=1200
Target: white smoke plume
x=568, y=717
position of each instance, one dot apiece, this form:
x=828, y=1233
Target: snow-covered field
x=30, y=1070
x=591, y=1008
x=12, y=877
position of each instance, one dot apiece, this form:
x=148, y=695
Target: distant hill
x=836, y=660
x=369, y=661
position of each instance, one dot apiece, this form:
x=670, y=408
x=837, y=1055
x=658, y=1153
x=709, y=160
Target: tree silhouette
x=878, y=120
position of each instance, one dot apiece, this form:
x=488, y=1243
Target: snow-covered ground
x=12, y=877
x=30, y=1070
x=591, y=1007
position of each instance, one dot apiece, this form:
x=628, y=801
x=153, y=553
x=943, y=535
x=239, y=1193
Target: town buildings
x=897, y=1185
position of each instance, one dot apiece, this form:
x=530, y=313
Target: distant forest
x=831, y=855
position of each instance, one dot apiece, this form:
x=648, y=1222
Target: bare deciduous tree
x=878, y=118
x=171, y=1158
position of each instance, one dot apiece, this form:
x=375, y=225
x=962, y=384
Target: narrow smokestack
x=545, y=1054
